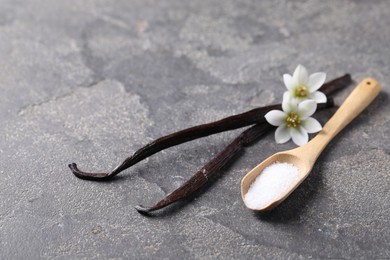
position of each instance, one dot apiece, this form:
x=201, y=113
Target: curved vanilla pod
x=253, y=116
x=247, y=137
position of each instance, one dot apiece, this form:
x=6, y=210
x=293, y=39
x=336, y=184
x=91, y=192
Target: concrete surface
x=91, y=81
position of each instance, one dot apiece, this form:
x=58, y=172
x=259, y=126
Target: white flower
x=301, y=86
x=294, y=121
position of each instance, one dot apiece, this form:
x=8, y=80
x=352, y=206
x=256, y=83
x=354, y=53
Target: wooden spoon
x=305, y=156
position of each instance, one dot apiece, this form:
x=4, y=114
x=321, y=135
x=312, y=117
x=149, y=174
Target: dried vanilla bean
x=253, y=116
x=247, y=137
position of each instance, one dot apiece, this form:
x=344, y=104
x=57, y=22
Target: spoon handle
x=355, y=103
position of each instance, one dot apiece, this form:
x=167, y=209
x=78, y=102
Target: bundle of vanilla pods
x=253, y=117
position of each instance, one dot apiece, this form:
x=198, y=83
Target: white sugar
x=270, y=184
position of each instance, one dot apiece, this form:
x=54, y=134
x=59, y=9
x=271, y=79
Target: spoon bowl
x=291, y=157
x=304, y=157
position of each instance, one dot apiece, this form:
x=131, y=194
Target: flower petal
x=299, y=135
x=300, y=75
x=315, y=81
x=288, y=103
x=306, y=108
x=276, y=117
x=288, y=81
x=311, y=125
x=282, y=134
x=318, y=96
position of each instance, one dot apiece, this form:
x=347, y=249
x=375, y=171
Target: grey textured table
x=92, y=81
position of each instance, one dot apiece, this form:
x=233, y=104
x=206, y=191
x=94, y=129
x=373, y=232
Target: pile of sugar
x=271, y=182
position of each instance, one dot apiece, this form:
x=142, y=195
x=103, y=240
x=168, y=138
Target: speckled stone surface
x=91, y=81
